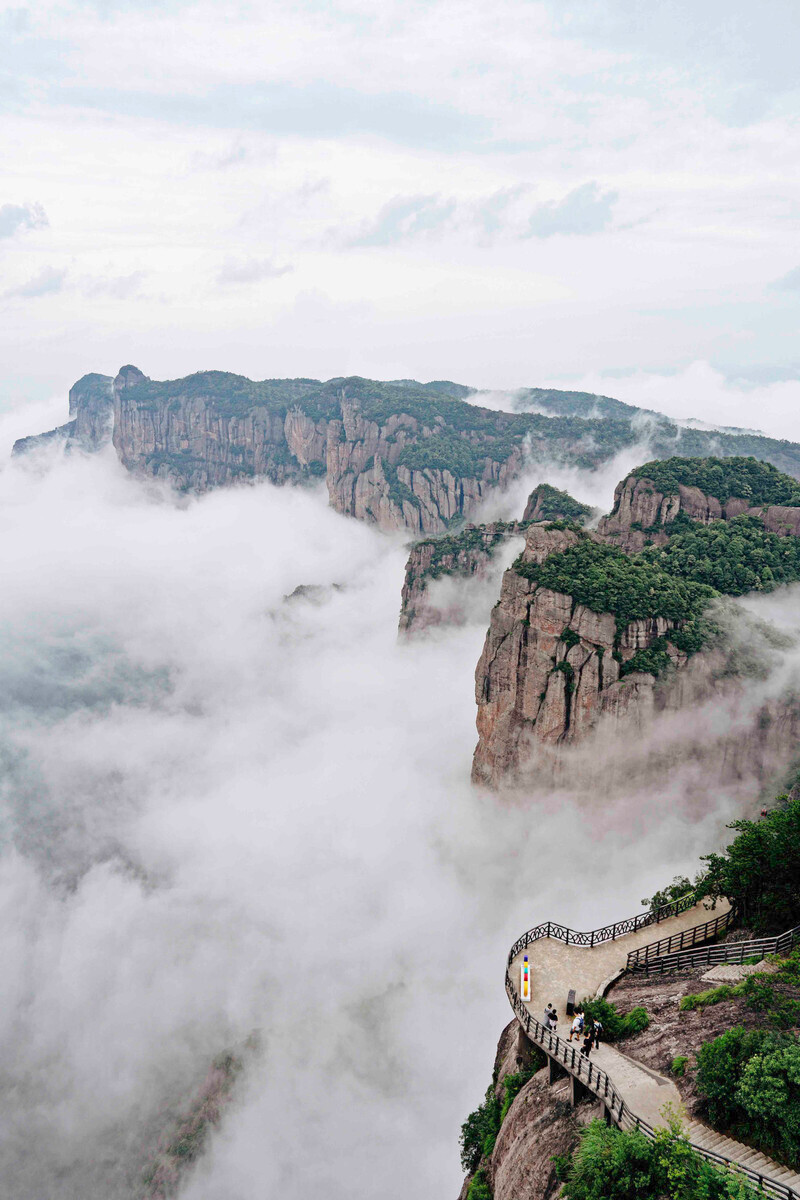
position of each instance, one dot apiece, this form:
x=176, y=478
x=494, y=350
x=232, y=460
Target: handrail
x=687, y=938
x=675, y=959
x=600, y=1084
x=597, y=1080
x=607, y=933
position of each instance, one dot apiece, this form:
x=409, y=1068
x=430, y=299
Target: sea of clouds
x=223, y=811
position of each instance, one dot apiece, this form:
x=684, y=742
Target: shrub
x=750, y=1082
x=673, y=891
x=479, y=1131
x=679, y=1064
x=479, y=1188
x=616, y=1025
x=610, y=1164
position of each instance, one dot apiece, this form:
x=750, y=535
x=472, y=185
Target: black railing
x=608, y=933
x=600, y=1084
x=686, y=939
x=727, y=952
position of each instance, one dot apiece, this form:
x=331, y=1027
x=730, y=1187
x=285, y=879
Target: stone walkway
x=557, y=968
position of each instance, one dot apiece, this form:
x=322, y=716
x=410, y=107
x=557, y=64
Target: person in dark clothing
x=546, y=1019
x=598, y=1032
x=588, y=1038
x=553, y=1019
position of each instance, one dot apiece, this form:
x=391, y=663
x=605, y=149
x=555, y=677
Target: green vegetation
x=673, y=891
x=448, y=552
x=759, y=872
x=551, y=504
x=744, y=478
x=679, y=1064
x=479, y=1131
x=652, y=661
x=766, y=992
x=479, y=1187
x=750, y=1083
x=610, y=1164
x=734, y=557
x=607, y=580
x=616, y=1025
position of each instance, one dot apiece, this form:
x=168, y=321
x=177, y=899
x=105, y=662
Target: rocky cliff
x=468, y=555
x=551, y=666
x=463, y=556
x=402, y=455
x=598, y=643
x=644, y=510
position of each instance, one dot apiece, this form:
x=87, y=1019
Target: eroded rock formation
x=641, y=513
x=469, y=554
x=555, y=674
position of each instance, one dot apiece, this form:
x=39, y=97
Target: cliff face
x=555, y=676
x=548, y=672
x=467, y=555
x=641, y=512
x=199, y=441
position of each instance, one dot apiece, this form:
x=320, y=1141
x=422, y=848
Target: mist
x=226, y=812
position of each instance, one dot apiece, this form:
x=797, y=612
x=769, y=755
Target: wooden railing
x=676, y=958
x=608, y=933
x=599, y=1082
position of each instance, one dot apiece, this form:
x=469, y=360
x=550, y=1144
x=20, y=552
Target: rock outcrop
x=469, y=555
x=555, y=674
x=642, y=514
x=463, y=556
x=402, y=455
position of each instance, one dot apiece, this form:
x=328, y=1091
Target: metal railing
x=639, y=959
x=600, y=1084
x=608, y=933
x=726, y=952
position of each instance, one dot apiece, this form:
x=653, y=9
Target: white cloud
x=45, y=283
x=701, y=391
x=16, y=217
x=584, y=210
x=223, y=813
x=251, y=270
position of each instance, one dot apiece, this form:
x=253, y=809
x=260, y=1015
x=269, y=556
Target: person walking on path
x=598, y=1032
x=577, y=1026
x=586, y=1049
x=547, y=1014
x=553, y=1019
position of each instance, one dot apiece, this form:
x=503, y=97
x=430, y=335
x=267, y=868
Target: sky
x=600, y=194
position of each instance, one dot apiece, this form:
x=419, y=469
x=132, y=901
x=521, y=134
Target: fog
x=225, y=812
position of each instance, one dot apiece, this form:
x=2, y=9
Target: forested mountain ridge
x=615, y=625
x=403, y=455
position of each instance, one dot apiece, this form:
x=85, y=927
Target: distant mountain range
x=401, y=454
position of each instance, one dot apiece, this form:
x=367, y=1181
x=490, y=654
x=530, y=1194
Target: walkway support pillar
x=577, y=1091
x=556, y=1071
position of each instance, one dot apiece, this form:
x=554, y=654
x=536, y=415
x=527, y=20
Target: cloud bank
x=226, y=812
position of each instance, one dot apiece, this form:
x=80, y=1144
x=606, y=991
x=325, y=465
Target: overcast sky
x=505, y=194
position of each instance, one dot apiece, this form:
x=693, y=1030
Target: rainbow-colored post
x=525, y=979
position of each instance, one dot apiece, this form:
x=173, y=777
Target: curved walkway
x=633, y=1093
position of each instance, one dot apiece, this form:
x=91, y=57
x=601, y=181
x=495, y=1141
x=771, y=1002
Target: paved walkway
x=557, y=968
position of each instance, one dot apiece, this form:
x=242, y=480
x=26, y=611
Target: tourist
x=577, y=1026
x=553, y=1019
x=598, y=1031
x=547, y=1012
x=587, y=1041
